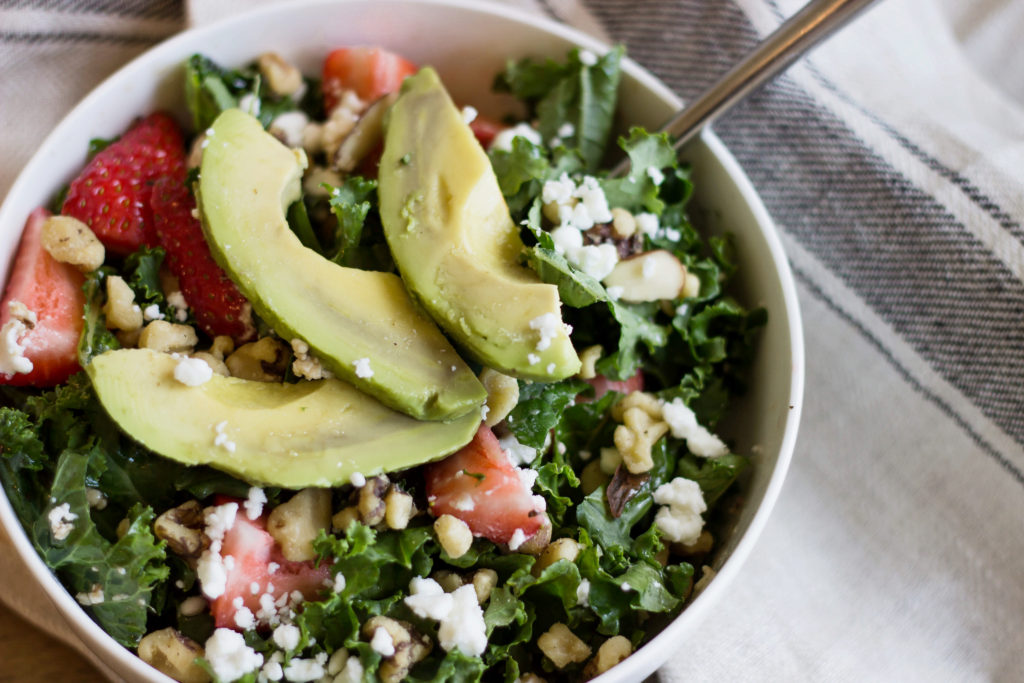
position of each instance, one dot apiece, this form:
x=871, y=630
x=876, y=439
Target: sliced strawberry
x=217, y=304
x=52, y=291
x=254, y=554
x=485, y=129
x=481, y=486
x=370, y=72
x=602, y=385
x=111, y=194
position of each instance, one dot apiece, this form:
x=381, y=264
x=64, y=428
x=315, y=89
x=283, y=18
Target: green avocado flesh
x=454, y=241
x=291, y=435
x=247, y=181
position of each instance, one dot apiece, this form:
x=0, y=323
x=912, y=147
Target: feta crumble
x=587, y=58
x=229, y=656
x=61, y=520
x=222, y=440
x=655, y=174
x=245, y=619
x=357, y=479
x=519, y=454
x=254, y=503
x=680, y=517
x=428, y=600
x=289, y=127
x=12, y=351
x=583, y=593
x=647, y=223
x=303, y=670
x=352, y=673
x=469, y=114
x=286, y=637
x=683, y=423
x=548, y=325
x=503, y=140
x=193, y=372
x=532, y=358
x=152, y=312
x=177, y=300
x=382, y=643
x=517, y=540
x=363, y=369
x=463, y=627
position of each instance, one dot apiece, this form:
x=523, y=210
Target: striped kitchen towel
x=890, y=160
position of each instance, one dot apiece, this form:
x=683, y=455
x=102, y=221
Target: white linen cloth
x=891, y=160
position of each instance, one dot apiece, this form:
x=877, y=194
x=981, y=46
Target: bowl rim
x=111, y=654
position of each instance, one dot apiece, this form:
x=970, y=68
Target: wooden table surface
x=27, y=654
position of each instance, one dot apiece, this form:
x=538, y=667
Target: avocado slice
x=293, y=435
x=346, y=315
x=454, y=241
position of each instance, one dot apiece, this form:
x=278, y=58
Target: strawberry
x=485, y=129
x=370, y=72
x=257, y=559
x=111, y=194
x=602, y=385
x=481, y=486
x=217, y=304
x=52, y=291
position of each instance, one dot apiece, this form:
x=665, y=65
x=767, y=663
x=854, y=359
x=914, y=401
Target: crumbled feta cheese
x=152, y=312
x=338, y=584
x=503, y=140
x=548, y=325
x=95, y=498
x=566, y=130
x=286, y=637
x=587, y=58
x=61, y=520
x=219, y=519
x=647, y=223
x=229, y=656
x=558, y=191
x=519, y=454
x=272, y=671
x=596, y=260
x=672, y=234
x=518, y=539
x=484, y=410
x=245, y=619
x=254, y=588
x=583, y=593
x=655, y=174
x=221, y=439
x=93, y=597
x=625, y=587
x=212, y=575
x=12, y=351
x=567, y=239
x=177, y=300
x=532, y=358
x=193, y=372
x=680, y=517
x=683, y=423
x=357, y=480
x=303, y=670
x=428, y=600
x=352, y=673
x=593, y=202
x=363, y=369
x=551, y=368
x=289, y=127
x=254, y=503
x=464, y=627
x=469, y=114
x=382, y=643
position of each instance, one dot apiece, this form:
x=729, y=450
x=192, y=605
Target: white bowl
x=468, y=43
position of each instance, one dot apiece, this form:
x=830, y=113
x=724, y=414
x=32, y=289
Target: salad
x=537, y=517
